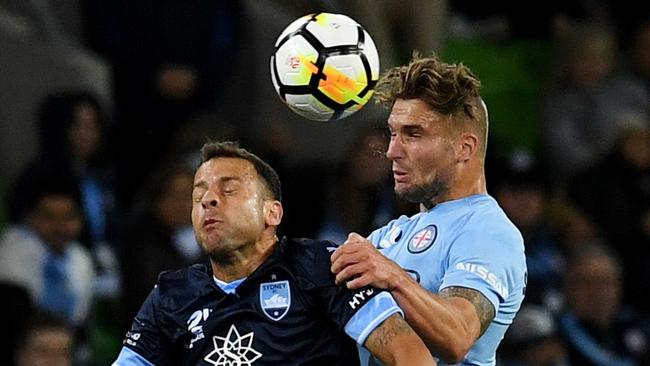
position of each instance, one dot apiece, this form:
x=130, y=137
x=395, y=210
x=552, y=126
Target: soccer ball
x=325, y=66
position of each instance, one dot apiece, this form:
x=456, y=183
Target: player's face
x=422, y=151
x=228, y=206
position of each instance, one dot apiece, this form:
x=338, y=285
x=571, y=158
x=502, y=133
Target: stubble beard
x=221, y=253
x=425, y=194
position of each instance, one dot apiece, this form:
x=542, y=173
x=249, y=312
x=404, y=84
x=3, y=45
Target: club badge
x=275, y=299
x=423, y=239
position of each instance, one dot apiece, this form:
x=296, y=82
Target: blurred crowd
x=99, y=201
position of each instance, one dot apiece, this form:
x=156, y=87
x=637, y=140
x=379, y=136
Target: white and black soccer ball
x=325, y=66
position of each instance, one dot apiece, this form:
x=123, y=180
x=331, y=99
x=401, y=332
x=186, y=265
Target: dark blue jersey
x=287, y=312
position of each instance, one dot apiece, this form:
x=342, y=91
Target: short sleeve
x=146, y=337
x=357, y=312
x=388, y=234
x=487, y=260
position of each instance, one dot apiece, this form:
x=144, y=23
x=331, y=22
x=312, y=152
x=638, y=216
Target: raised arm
x=449, y=323
x=394, y=342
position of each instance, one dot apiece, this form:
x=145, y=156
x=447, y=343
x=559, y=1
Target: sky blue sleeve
x=382, y=233
x=373, y=313
x=376, y=235
x=129, y=357
x=489, y=259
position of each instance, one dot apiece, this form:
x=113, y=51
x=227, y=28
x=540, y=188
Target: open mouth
x=209, y=223
x=400, y=176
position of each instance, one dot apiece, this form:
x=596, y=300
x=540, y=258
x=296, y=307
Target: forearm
x=394, y=342
x=441, y=322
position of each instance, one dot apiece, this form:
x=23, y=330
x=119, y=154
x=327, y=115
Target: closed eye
x=412, y=131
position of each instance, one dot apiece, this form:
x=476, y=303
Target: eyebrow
x=203, y=184
x=406, y=127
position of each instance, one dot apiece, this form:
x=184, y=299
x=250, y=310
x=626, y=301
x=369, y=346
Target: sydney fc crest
x=275, y=299
x=423, y=239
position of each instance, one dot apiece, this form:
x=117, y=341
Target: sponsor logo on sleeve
x=195, y=325
x=486, y=275
x=132, y=338
x=275, y=299
x=360, y=297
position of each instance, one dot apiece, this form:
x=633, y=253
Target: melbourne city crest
x=275, y=299
x=423, y=239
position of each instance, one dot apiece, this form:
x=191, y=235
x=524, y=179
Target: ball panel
x=344, y=78
x=274, y=70
x=370, y=51
x=309, y=107
x=295, y=61
x=334, y=30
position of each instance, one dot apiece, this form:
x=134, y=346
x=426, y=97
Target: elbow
x=454, y=358
x=456, y=351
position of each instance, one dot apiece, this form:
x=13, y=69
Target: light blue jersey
x=469, y=243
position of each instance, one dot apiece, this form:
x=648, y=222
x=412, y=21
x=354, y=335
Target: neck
x=244, y=260
x=465, y=185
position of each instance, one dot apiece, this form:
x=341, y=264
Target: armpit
x=483, y=306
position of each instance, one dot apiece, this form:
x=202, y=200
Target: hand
x=359, y=263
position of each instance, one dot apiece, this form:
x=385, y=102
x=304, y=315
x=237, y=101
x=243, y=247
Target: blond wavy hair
x=450, y=89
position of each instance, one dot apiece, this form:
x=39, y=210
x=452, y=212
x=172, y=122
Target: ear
x=468, y=146
x=273, y=212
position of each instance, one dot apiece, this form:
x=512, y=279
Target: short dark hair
x=231, y=149
x=42, y=182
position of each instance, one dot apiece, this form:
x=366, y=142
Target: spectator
x=72, y=128
x=598, y=328
x=575, y=132
x=533, y=340
x=72, y=131
x=42, y=255
x=170, y=59
x=47, y=341
x=629, y=91
x=620, y=181
x=522, y=192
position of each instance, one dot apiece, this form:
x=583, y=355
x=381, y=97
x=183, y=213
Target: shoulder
x=189, y=276
x=377, y=236
x=307, y=251
x=403, y=219
x=486, y=237
x=21, y=250
x=489, y=219
x=309, y=258
x=20, y=239
x=180, y=286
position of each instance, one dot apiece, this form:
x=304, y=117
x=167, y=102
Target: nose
x=209, y=199
x=395, y=149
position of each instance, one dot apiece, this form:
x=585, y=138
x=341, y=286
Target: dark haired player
x=262, y=301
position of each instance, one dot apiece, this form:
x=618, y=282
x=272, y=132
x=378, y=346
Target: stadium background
x=168, y=73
